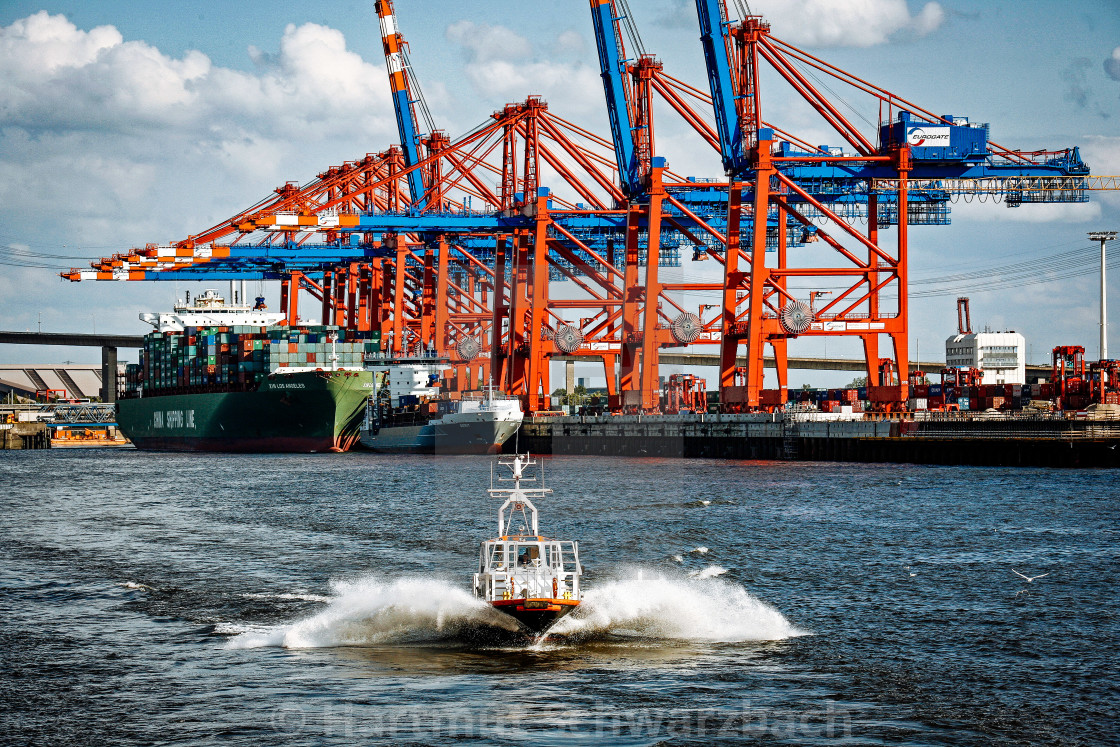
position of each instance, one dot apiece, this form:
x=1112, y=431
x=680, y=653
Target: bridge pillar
x=108, y=374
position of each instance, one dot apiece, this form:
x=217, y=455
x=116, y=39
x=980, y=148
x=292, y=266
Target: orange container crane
x=685, y=392
x=1071, y=387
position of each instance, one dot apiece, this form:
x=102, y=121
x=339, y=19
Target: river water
x=324, y=599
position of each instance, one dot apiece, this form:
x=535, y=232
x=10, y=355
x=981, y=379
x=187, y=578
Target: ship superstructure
x=211, y=310
x=409, y=414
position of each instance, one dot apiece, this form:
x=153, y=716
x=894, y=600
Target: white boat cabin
x=521, y=564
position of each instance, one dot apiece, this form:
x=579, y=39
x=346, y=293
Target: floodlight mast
x=1104, y=237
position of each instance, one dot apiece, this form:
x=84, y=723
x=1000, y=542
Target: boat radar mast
x=518, y=498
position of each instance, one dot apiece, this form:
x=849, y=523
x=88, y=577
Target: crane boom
x=714, y=43
x=612, y=67
x=407, y=125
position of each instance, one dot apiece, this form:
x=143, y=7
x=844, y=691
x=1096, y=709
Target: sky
x=125, y=122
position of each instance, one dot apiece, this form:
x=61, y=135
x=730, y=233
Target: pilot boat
x=532, y=578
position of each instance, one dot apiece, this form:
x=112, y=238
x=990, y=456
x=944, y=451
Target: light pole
x=1103, y=237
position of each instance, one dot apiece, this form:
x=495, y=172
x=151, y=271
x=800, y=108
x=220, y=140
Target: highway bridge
x=107, y=343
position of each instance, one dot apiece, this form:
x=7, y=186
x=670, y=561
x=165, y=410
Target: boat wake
x=415, y=611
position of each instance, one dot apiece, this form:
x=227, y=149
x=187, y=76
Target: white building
x=1002, y=355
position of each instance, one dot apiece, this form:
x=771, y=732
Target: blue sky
x=126, y=122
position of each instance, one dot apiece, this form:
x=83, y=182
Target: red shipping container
x=772, y=397
x=885, y=393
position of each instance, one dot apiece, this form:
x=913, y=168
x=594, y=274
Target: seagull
x=1028, y=579
x=705, y=503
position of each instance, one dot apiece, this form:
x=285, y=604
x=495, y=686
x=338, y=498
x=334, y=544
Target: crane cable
x=630, y=27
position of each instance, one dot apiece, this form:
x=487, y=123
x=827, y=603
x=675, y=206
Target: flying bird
x=1028, y=579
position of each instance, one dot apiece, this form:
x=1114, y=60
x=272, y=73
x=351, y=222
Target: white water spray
x=710, y=572
x=666, y=608
x=375, y=611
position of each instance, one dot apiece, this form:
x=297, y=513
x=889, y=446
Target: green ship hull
x=309, y=411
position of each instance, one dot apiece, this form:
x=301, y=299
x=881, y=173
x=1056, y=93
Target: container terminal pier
x=532, y=239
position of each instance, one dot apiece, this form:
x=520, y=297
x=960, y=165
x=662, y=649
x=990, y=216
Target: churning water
x=324, y=599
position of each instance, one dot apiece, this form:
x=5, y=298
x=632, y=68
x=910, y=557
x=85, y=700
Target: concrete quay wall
x=1059, y=443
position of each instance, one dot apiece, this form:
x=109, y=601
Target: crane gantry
x=454, y=245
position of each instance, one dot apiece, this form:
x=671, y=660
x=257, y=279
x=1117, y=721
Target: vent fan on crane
x=467, y=348
x=568, y=339
x=795, y=317
x=686, y=328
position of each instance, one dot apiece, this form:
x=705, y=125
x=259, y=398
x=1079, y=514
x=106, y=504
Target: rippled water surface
x=324, y=599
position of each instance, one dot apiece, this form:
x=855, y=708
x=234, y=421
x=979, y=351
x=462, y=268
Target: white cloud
x=847, y=23
x=138, y=134
x=1112, y=64
x=1102, y=153
x=502, y=67
x=569, y=42
x=57, y=44
x=485, y=42
x=833, y=23
x=55, y=77
x=928, y=20
x=107, y=143
x=1071, y=212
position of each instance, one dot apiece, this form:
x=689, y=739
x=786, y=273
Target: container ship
x=408, y=414
x=230, y=379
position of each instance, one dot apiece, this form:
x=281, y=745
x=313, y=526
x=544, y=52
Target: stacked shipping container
x=238, y=357
x=940, y=397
